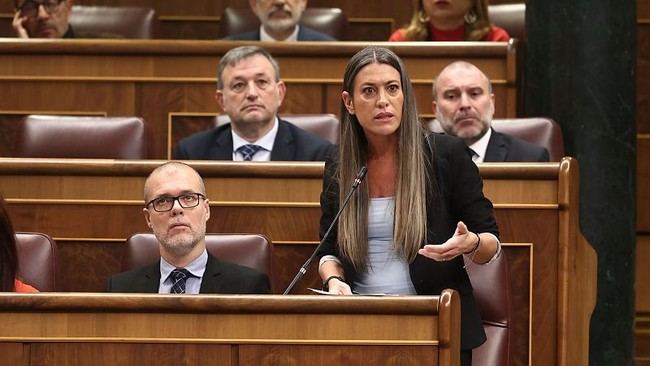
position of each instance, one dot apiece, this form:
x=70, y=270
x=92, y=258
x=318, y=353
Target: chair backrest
x=330, y=21
x=250, y=250
x=324, y=125
x=37, y=260
x=113, y=22
x=539, y=131
x=82, y=137
x=511, y=17
x=492, y=292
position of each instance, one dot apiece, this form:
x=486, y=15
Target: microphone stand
x=301, y=272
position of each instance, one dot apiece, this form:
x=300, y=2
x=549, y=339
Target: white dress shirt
x=265, y=141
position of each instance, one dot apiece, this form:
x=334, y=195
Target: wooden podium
x=125, y=329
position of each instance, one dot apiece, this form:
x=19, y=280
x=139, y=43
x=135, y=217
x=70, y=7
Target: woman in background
x=9, y=255
x=450, y=20
x=421, y=208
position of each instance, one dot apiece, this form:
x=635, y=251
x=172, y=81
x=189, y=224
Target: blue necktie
x=179, y=276
x=248, y=151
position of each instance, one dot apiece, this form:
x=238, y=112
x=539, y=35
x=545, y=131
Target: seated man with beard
x=177, y=209
x=463, y=103
x=280, y=22
x=42, y=18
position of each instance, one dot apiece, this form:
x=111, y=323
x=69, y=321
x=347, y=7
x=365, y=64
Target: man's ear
x=207, y=208
x=218, y=96
x=347, y=101
x=282, y=91
x=147, y=217
x=434, y=107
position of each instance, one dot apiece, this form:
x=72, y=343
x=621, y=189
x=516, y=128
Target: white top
x=267, y=37
x=265, y=141
x=387, y=272
x=480, y=147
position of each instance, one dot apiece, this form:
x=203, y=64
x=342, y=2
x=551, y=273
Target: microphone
x=301, y=272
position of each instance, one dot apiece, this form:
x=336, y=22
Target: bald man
x=463, y=103
x=177, y=210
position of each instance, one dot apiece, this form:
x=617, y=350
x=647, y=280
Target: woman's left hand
x=458, y=244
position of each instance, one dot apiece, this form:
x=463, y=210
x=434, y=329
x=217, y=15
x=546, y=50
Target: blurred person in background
x=9, y=255
x=280, y=21
x=43, y=18
x=450, y=20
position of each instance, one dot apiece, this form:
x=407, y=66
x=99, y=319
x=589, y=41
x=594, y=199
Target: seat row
x=143, y=23
x=51, y=136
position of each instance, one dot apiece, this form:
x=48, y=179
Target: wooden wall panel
x=13, y=354
x=130, y=354
x=327, y=356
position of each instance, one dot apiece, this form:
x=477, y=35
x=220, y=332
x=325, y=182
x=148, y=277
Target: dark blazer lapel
x=210, y=283
x=283, y=147
x=149, y=281
x=222, y=148
x=497, y=148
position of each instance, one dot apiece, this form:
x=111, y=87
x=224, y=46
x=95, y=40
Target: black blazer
x=502, y=147
x=291, y=144
x=455, y=194
x=219, y=278
x=304, y=34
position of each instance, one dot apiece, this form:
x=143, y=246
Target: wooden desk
x=115, y=329
x=91, y=206
x=156, y=79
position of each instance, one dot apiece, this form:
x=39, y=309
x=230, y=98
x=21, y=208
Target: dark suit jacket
x=502, y=147
x=304, y=34
x=219, y=278
x=455, y=194
x=291, y=144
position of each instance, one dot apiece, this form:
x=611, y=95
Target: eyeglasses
x=165, y=203
x=29, y=8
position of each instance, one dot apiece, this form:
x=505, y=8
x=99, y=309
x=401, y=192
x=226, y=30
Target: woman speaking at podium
x=421, y=208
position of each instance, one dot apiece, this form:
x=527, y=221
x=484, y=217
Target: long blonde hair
x=410, y=197
x=419, y=27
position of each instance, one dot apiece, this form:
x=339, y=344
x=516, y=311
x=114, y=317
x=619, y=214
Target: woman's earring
x=471, y=17
x=423, y=17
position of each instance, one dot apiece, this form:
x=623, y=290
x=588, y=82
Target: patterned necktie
x=179, y=276
x=248, y=151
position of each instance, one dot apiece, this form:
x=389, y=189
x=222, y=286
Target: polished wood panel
x=155, y=79
x=120, y=329
x=552, y=268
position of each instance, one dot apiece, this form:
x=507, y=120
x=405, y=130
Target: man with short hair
x=43, y=18
x=280, y=22
x=177, y=209
x=250, y=92
x=463, y=103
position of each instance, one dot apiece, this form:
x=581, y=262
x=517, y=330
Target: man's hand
x=18, y=24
